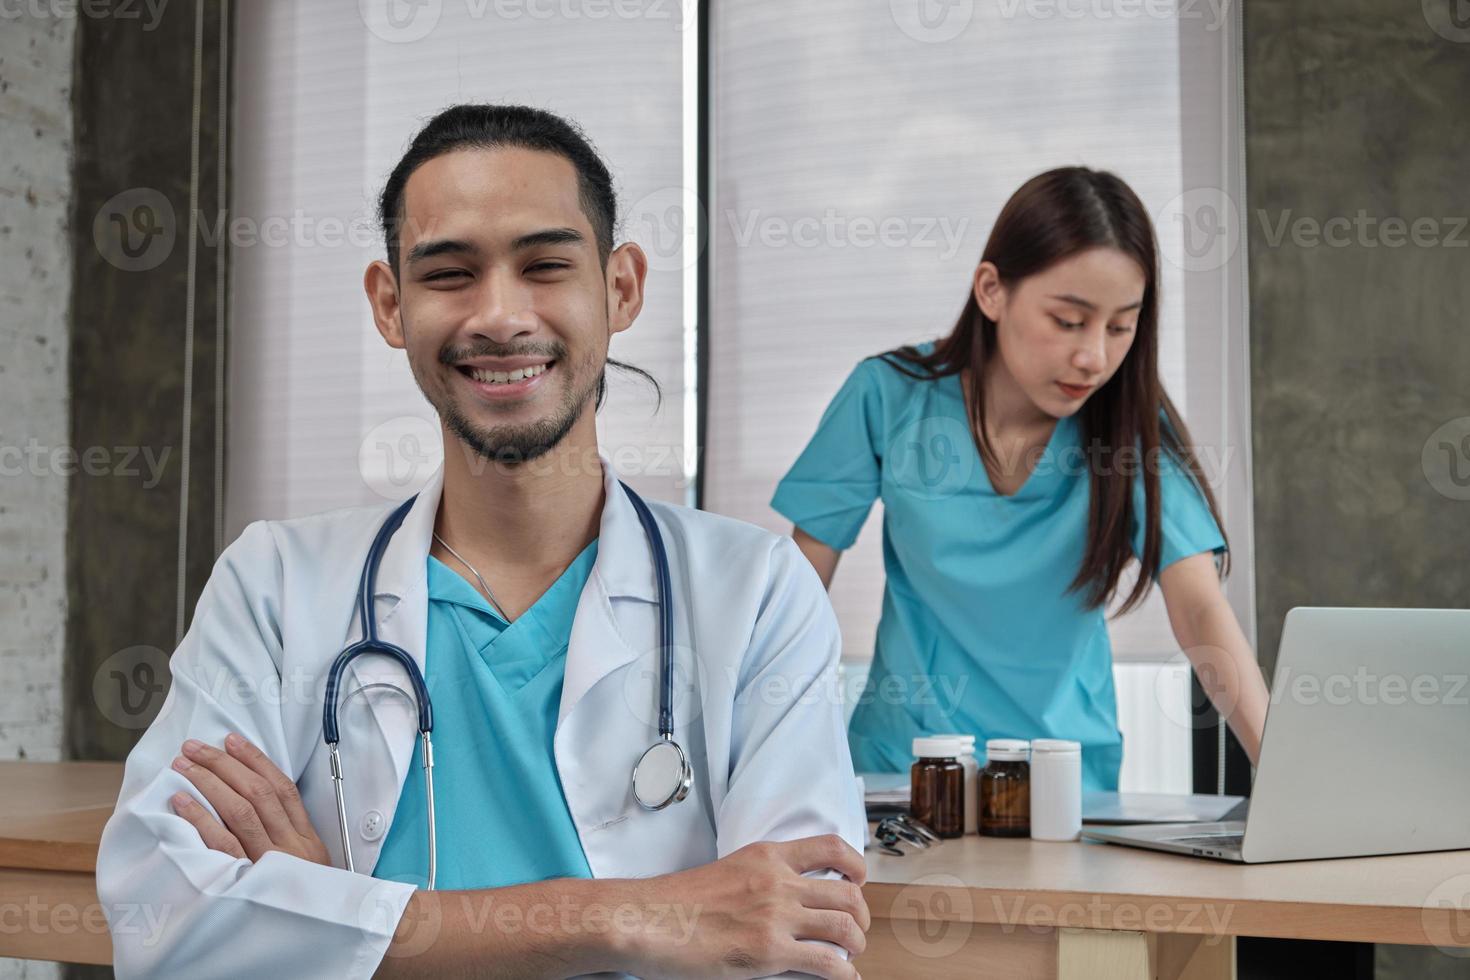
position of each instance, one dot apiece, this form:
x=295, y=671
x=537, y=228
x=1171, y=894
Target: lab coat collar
x=624, y=559
x=624, y=568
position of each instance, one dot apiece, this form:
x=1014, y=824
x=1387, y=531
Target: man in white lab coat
x=503, y=286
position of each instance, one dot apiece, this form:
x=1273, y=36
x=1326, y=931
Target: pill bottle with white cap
x=1056, y=789
x=967, y=759
x=1005, y=810
x=937, y=785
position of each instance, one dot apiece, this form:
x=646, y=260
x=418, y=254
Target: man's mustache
x=453, y=356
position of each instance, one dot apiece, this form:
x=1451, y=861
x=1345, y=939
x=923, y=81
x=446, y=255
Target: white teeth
x=505, y=377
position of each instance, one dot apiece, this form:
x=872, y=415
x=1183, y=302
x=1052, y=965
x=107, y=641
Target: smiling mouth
x=487, y=377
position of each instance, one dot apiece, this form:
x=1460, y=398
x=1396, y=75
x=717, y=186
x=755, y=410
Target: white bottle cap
x=1055, y=745
x=937, y=747
x=968, y=741
x=1006, y=749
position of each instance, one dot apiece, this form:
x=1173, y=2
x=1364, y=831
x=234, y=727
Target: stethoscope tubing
x=371, y=643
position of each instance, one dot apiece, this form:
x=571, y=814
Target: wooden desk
x=980, y=906
x=970, y=907
x=51, y=817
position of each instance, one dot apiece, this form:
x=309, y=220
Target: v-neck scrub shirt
x=500, y=814
x=978, y=633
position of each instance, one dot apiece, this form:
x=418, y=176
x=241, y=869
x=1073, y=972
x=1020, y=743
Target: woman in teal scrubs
x=1024, y=460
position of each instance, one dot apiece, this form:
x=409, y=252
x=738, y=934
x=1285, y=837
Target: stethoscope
x=662, y=776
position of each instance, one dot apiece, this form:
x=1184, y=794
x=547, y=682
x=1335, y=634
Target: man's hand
x=261, y=808
x=751, y=909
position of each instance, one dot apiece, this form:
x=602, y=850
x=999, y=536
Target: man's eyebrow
x=456, y=246
x=441, y=246
x=548, y=236
x=1079, y=301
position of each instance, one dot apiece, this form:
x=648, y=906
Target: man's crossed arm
x=753, y=907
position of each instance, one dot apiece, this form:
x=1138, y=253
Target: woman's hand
x=260, y=806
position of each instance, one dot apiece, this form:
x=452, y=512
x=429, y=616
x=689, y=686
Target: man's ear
x=627, y=267
x=990, y=292
x=382, y=293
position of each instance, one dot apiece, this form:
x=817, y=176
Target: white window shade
x=322, y=413
x=830, y=128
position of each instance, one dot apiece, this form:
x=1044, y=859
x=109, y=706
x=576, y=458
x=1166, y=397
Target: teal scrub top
x=978, y=633
x=500, y=815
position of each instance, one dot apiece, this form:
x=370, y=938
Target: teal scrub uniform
x=501, y=816
x=979, y=633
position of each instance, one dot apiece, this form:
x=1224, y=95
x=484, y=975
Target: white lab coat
x=756, y=708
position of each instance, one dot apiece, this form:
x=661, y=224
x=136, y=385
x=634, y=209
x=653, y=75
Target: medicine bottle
x=937, y=785
x=1005, y=789
x=967, y=759
x=1056, y=789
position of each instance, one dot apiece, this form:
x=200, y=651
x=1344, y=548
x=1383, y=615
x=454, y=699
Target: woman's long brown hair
x=1053, y=216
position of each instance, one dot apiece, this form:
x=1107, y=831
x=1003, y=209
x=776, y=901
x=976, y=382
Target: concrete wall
x=95, y=143
x=1358, y=112
x=35, y=292
x=36, y=55
x=140, y=349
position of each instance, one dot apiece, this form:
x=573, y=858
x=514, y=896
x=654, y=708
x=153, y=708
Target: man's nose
x=503, y=310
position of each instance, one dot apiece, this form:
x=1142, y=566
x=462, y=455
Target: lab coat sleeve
x=791, y=775
x=178, y=909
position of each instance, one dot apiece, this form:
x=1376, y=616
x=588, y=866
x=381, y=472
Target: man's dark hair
x=486, y=127
x=479, y=126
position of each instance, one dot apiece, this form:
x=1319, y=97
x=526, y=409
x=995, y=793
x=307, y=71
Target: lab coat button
x=372, y=825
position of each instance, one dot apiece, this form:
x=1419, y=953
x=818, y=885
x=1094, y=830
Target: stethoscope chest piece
x=662, y=776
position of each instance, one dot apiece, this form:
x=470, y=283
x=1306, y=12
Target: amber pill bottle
x=937, y=785
x=1005, y=789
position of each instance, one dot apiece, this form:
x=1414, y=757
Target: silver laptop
x=1365, y=746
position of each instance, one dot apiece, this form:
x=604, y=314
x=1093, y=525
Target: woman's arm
x=823, y=558
x=1207, y=631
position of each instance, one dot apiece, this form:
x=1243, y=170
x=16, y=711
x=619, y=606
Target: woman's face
x=1064, y=331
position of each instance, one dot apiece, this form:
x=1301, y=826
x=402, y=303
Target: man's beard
x=516, y=444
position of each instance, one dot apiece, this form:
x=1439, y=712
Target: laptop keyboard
x=1209, y=840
